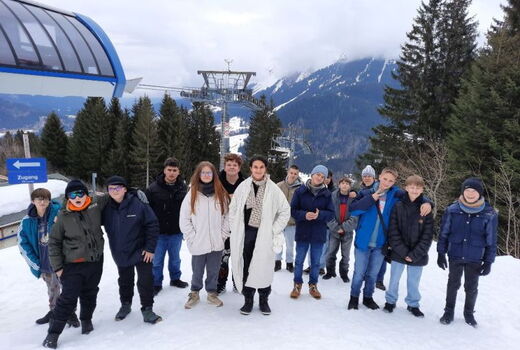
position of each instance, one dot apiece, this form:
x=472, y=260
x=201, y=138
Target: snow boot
x=149, y=316
x=263, y=294
x=73, y=320
x=307, y=270
x=277, y=265
x=345, y=279
x=322, y=272
x=380, y=285
x=370, y=303
x=45, y=319
x=447, y=318
x=193, y=299
x=415, y=311
x=353, y=303
x=249, y=294
x=51, y=341
x=290, y=267
x=213, y=299
x=470, y=319
x=297, y=290
x=86, y=326
x=314, y=292
x=124, y=310
x=329, y=275
x=156, y=290
x=179, y=284
x=389, y=308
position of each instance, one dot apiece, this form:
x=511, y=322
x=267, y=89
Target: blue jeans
x=413, y=277
x=323, y=256
x=381, y=273
x=301, y=252
x=289, y=232
x=172, y=245
x=366, y=266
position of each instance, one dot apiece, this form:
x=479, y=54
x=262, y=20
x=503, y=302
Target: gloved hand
x=485, y=269
x=441, y=261
x=278, y=243
x=142, y=197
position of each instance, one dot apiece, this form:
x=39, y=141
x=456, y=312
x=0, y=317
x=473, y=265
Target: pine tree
x=172, y=131
x=54, y=143
x=118, y=159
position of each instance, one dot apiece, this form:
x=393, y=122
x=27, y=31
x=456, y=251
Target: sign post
x=26, y=170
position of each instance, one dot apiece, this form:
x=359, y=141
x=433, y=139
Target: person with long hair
x=203, y=220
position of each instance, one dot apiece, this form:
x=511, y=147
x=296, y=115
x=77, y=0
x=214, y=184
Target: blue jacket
x=313, y=231
x=28, y=235
x=131, y=227
x=468, y=237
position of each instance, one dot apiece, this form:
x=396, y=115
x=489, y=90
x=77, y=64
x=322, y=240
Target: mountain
x=337, y=104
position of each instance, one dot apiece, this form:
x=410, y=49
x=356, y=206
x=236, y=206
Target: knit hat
x=368, y=171
x=321, y=169
x=75, y=185
x=116, y=180
x=474, y=183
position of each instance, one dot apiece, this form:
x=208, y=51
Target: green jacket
x=77, y=236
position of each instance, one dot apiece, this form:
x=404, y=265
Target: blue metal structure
x=46, y=51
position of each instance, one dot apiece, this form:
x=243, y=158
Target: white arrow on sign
x=19, y=164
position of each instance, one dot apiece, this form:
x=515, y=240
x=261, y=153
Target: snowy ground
x=14, y=198
x=294, y=324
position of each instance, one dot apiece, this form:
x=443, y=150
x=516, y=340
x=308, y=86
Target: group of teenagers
x=225, y=217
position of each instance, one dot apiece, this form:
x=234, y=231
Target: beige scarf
x=255, y=202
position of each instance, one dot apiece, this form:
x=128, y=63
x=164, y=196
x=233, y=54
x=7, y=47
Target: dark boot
x=353, y=303
x=156, y=289
x=45, y=319
x=51, y=341
x=263, y=294
x=415, y=311
x=322, y=272
x=447, y=318
x=86, y=326
x=380, y=285
x=470, y=319
x=149, y=316
x=73, y=320
x=345, y=279
x=179, y=284
x=124, y=310
x=277, y=265
x=249, y=294
x=389, y=308
x=329, y=274
x=290, y=267
x=307, y=270
x=370, y=303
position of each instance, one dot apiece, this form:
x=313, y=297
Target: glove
x=441, y=261
x=142, y=197
x=278, y=243
x=485, y=269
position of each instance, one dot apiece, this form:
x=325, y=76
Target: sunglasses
x=73, y=195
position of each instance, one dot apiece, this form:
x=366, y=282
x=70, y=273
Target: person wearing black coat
x=132, y=229
x=165, y=196
x=409, y=238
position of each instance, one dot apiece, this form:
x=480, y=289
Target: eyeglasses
x=115, y=188
x=41, y=199
x=73, y=195
x=206, y=173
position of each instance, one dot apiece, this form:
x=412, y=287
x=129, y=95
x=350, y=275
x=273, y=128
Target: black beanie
x=116, y=180
x=75, y=185
x=474, y=183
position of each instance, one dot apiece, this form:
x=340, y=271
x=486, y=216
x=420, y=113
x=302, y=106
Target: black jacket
x=131, y=227
x=166, y=201
x=230, y=188
x=410, y=234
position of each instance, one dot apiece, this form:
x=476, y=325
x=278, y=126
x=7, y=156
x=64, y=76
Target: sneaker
x=314, y=292
x=415, y=311
x=193, y=299
x=73, y=320
x=45, y=319
x=156, y=290
x=86, y=326
x=307, y=270
x=290, y=267
x=322, y=272
x=329, y=275
x=213, y=299
x=447, y=318
x=149, y=316
x=380, y=285
x=470, y=319
x=353, y=303
x=389, y=308
x=124, y=310
x=297, y=290
x=370, y=303
x=178, y=284
x=277, y=265
x=51, y=341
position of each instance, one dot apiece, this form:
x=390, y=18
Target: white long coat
x=275, y=215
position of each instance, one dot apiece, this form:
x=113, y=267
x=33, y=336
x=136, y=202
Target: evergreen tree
x=54, y=143
x=172, y=128
x=118, y=158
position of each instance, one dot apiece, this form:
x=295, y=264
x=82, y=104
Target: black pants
x=249, y=247
x=78, y=280
x=471, y=272
x=144, y=283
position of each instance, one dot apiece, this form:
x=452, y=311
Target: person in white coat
x=204, y=223
x=258, y=213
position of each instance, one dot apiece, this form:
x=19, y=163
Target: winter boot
x=353, y=303
x=290, y=267
x=123, y=311
x=221, y=289
x=370, y=303
x=470, y=319
x=329, y=275
x=249, y=294
x=213, y=299
x=307, y=270
x=179, y=284
x=389, y=308
x=149, y=316
x=277, y=265
x=73, y=320
x=263, y=294
x=447, y=318
x=322, y=272
x=86, y=326
x=156, y=289
x=45, y=319
x=314, y=292
x=297, y=290
x=380, y=285
x=345, y=279
x=193, y=299
x=51, y=341
x=415, y=311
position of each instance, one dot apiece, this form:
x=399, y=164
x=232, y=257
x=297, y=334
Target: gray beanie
x=321, y=169
x=368, y=171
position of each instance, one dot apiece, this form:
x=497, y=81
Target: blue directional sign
x=26, y=170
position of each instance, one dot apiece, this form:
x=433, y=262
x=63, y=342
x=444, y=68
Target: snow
x=294, y=324
x=358, y=78
x=286, y=103
x=14, y=198
x=382, y=71
x=236, y=141
x=279, y=84
x=302, y=76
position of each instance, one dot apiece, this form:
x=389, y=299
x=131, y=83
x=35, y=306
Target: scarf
x=255, y=202
x=72, y=207
x=471, y=208
x=314, y=189
x=207, y=189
